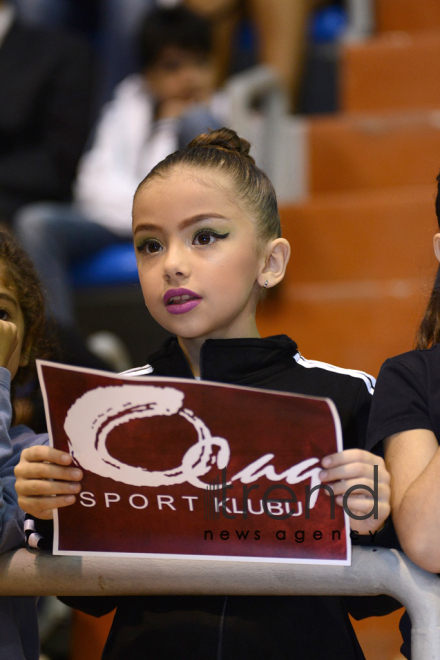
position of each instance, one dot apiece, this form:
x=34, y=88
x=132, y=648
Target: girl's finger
x=351, y=456
x=40, y=453
x=29, y=471
x=340, y=487
x=360, y=471
x=43, y=507
x=41, y=488
x=361, y=504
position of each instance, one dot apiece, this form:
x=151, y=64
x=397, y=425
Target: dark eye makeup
x=150, y=246
x=208, y=236
x=201, y=238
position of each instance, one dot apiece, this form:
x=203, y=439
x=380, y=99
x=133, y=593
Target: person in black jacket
x=207, y=237
x=45, y=92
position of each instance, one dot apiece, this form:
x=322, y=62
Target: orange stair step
x=358, y=333
x=352, y=151
x=393, y=70
x=407, y=15
x=361, y=235
x=361, y=271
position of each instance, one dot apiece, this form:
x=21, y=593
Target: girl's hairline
x=188, y=166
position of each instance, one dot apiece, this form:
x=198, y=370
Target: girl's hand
x=9, y=341
x=355, y=467
x=45, y=480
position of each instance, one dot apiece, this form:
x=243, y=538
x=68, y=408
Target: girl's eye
x=206, y=237
x=4, y=315
x=150, y=247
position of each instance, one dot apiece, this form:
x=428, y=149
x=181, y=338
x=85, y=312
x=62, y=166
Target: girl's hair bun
x=224, y=151
x=224, y=139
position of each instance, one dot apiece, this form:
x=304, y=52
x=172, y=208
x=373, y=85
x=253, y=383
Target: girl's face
x=198, y=256
x=10, y=311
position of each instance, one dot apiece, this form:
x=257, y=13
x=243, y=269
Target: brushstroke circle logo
x=88, y=430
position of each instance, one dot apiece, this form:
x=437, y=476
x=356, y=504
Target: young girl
x=22, y=337
x=208, y=243
x=405, y=417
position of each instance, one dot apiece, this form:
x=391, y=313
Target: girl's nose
x=176, y=264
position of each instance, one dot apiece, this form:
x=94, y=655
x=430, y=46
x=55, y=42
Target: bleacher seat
x=112, y=265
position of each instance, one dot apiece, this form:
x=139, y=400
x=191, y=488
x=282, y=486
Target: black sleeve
x=355, y=432
x=385, y=538
x=400, y=402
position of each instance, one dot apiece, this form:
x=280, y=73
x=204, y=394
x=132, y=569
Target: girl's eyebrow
x=8, y=298
x=187, y=222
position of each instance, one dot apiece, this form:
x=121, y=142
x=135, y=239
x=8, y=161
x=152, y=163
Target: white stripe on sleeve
x=369, y=381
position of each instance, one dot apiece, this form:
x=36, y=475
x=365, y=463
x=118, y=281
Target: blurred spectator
x=152, y=114
x=111, y=25
x=280, y=32
x=45, y=85
x=245, y=32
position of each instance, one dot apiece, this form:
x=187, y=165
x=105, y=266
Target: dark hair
x=428, y=333
x=21, y=276
x=223, y=150
x=177, y=26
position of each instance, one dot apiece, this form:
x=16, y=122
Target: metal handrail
x=260, y=84
x=361, y=17
x=373, y=571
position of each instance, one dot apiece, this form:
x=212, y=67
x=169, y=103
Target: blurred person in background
x=245, y=32
x=45, y=91
x=110, y=25
x=151, y=115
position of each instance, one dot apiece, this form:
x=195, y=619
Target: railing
x=373, y=571
x=260, y=85
x=361, y=16
x=279, y=140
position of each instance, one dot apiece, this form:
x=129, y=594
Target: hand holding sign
x=46, y=480
x=351, y=476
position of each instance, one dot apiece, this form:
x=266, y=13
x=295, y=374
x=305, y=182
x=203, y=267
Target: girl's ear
x=277, y=254
x=437, y=246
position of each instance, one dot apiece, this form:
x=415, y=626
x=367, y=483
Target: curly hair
x=21, y=276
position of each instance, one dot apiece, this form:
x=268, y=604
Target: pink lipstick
x=179, y=301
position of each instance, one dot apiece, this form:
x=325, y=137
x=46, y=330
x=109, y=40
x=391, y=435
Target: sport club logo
x=88, y=425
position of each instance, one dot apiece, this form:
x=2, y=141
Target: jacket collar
x=235, y=361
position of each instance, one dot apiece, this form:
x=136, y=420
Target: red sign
x=193, y=469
